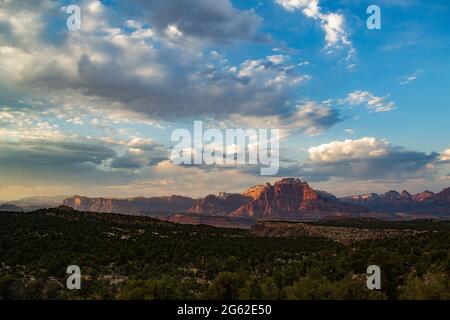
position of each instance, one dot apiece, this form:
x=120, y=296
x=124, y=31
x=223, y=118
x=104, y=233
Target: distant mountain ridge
x=286, y=199
x=221, y=204
x=392, y=201
x=136, y=206
x=32, y=203
x=10, y=207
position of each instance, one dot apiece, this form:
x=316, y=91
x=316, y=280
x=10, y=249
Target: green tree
x=432, y=286
x=225, y=286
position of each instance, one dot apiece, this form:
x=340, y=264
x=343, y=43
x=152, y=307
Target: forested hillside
x=127, y=257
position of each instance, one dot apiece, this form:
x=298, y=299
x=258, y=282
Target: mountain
x=10, y=207
x=423, y=196
x=221, y=204
x=425, y=202
x=293, y=199
x=286, y=199
x=136, y=206
x=38, y=202
x=444, y=195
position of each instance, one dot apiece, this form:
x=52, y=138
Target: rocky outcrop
x=256, y=191
x=444, y=195
x=138, y=205
x=288, y=199
x=425, y=202
x=423, y=196
x=221, y=204
x=293, y=199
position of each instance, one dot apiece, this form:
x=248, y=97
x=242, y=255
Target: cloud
x=167, y=178
x=58, y=162
x=349, y=149
x=333, y=24
x=366, y=159
x=54, y=153
x=114, y=72
x=445, y=155
x=140, y=153
x=73, y=159
x=253, y=87
x=173, y=32
x=309, y=117
x=72, y=103
x=216, y=21
x=162, y=72
x=374, y=103
x=350, y=131
x=411, y=78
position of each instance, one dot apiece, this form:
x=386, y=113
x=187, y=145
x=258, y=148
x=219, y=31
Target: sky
x=91, y=111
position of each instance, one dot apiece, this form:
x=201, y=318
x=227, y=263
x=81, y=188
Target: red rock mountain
x=140, y=205
x=293, y=199
x=222, y=204
x=423, y=196
x=425, y=202
x=286, y=199
x=444, y=195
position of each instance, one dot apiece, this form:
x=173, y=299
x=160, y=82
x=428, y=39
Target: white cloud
x=349, y=149
x=304, y=63
x=366, y=159
x=16, y=125
x=333, y=24
x=349, y=131
x=173, y=32
x=270, y=71
x=374, y=103
x=445, y=155
x=411, y=78
x=277, y=59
